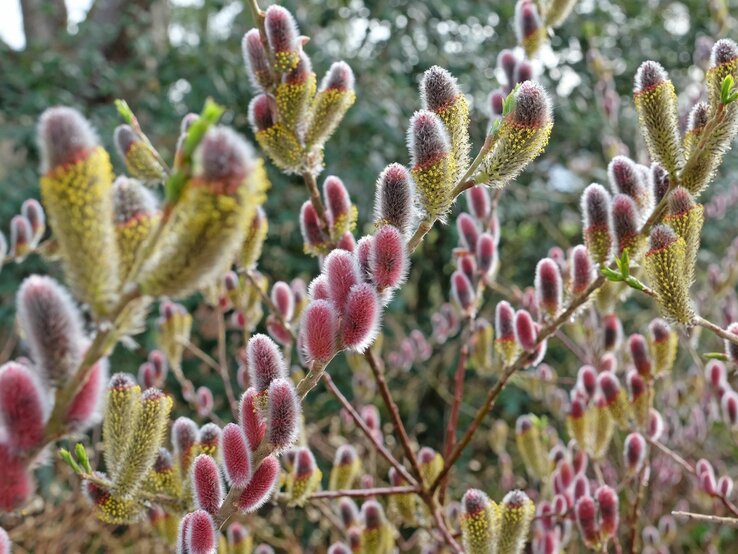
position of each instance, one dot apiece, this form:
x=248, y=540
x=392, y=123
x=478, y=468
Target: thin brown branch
x=730, y=521
x=378, y=372
x=719, y=331
x=363, y=493
x=379, y=447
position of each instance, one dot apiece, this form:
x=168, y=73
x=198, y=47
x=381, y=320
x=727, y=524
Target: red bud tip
x=468, y=230
x=337, y=198
x=23, y=407
x=283, y=300
x=723, y=51
x=320, y=330
x=463, y=291
x=284, y=414
x=388, y=258
x=649, y=75
x=438, y=89
x=478, y=202
x=596, y=207
x=639, y=353
x=624, y=221
x=339, y=77
x=548, y=286
x=504, y=321
x=427, y=139
x=265, y=362
x=662, y=236
x=262, y=112
x=281, y=29
x=607, y=498
x=586, y=516
x=251, y=422
x=582, y=271
x=532, y=106
x=261, y=485
x=255, y=58
x=236, y=456
x=224, y=155
x=207, y=484
x=361, y=317
x=204, y=398
x=525, y=331
x=201, y=533
x=634, y=452
x=394, y=198
x=486, y=254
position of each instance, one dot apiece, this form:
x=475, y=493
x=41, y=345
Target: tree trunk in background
x=43, y=21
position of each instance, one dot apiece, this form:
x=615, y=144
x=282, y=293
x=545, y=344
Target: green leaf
x=124, y=110
x=509, y=103
x=726, y=90
x=715, y=356
x=611, y=274
x=79, y=449
x=65, y=455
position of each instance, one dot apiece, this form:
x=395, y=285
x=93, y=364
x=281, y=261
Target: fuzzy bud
x=486, y=255
x=207, y=484
x=236, y=456
x=433, y=166
x=585, y=511
x=625, y=222
x=319, y=330
x=529, y=28
x=516, y=514
x=388, y=258
x=639, y=354
x=261, y=485
x=529, y=442
x=549, y=287
x=480, y=522
x=362, y=318
x=634, y=452
x=582, y=271
x=304, y=478
x=283, y=37
x=598, y=234
x=256, y=60
x=185, y=436
x=341, y=214
x=478, y=202
x=284, y=414
x=525, y=331
x=395, y=193
x=201, y=535
x=52, y=325
x=265, y=362
x=468, y=230
x=142, y=161
x=23, y=407
x=506, y=343
x=346, y=467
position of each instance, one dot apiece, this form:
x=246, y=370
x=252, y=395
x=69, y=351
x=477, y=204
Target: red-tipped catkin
x=468, y=230
x=254, y=426
x=348, y=512
x=319, y=330
x=388, y=258
x=262, y=113
x=729, y=407
x=361, y=318
x=586, y=516
x=342, y=271
x=52, y=325
x=201, y=533
x=529, y=28
x=655, y=425
x=478, y=202
x=312, y=234
x=207, y=485
x=607, y=499
x=463, y=292
x=394, y=198
x=209, y=439
x=21, y=237
x=256, y=60
x=725, y=486
x=625, y=220
x=86, y=407
x=582, y=271
x=31, y=209
x=634, y=452
x=265, y=362
x=261, y=485
x=468, y=266
x=283, y=37
x=613, y=332
x=185, y=436
x=587, y=379
x=596, y=212
x=146, y=376
x=236, y=456
x=639, y=354
x=204, y=399
x=64, y=137
x=525, y=331
x=549, y=287
x=715, y=372
x=486, y=255
x=626, y=178
x=318, y=288
x=23, y=407
x=283, y=300
x=284, y=414
x=731, y=349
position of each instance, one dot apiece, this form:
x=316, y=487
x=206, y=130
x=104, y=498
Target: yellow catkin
x=380, y=540
x=530, y=447
x=601, y=431
x=254, y=241
x=121, y=412
x=293, y=100
x=173, y=334
x=533, y=42
x=480, y=530
x=657, y=114
x=620, y=409
x=117, y=510
x=557, y=11
x=641, y=407
x=688, y=225
x=406, y=507
x=667, y=273
x=200, y=240
x=516, y=514
x=455, y=117
x=343, y=476
x=430, y=470
x=515, y=148
x=299, y=488
x=146, y=438
x=78, y=201
x=482, y=346
x=281, y=145
x=130, y=236
x=142, y=163
x=326, y=112
x=507, y=349
x=435, y=182
x=579, y=428
x=286, y=61
x=664, y=352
